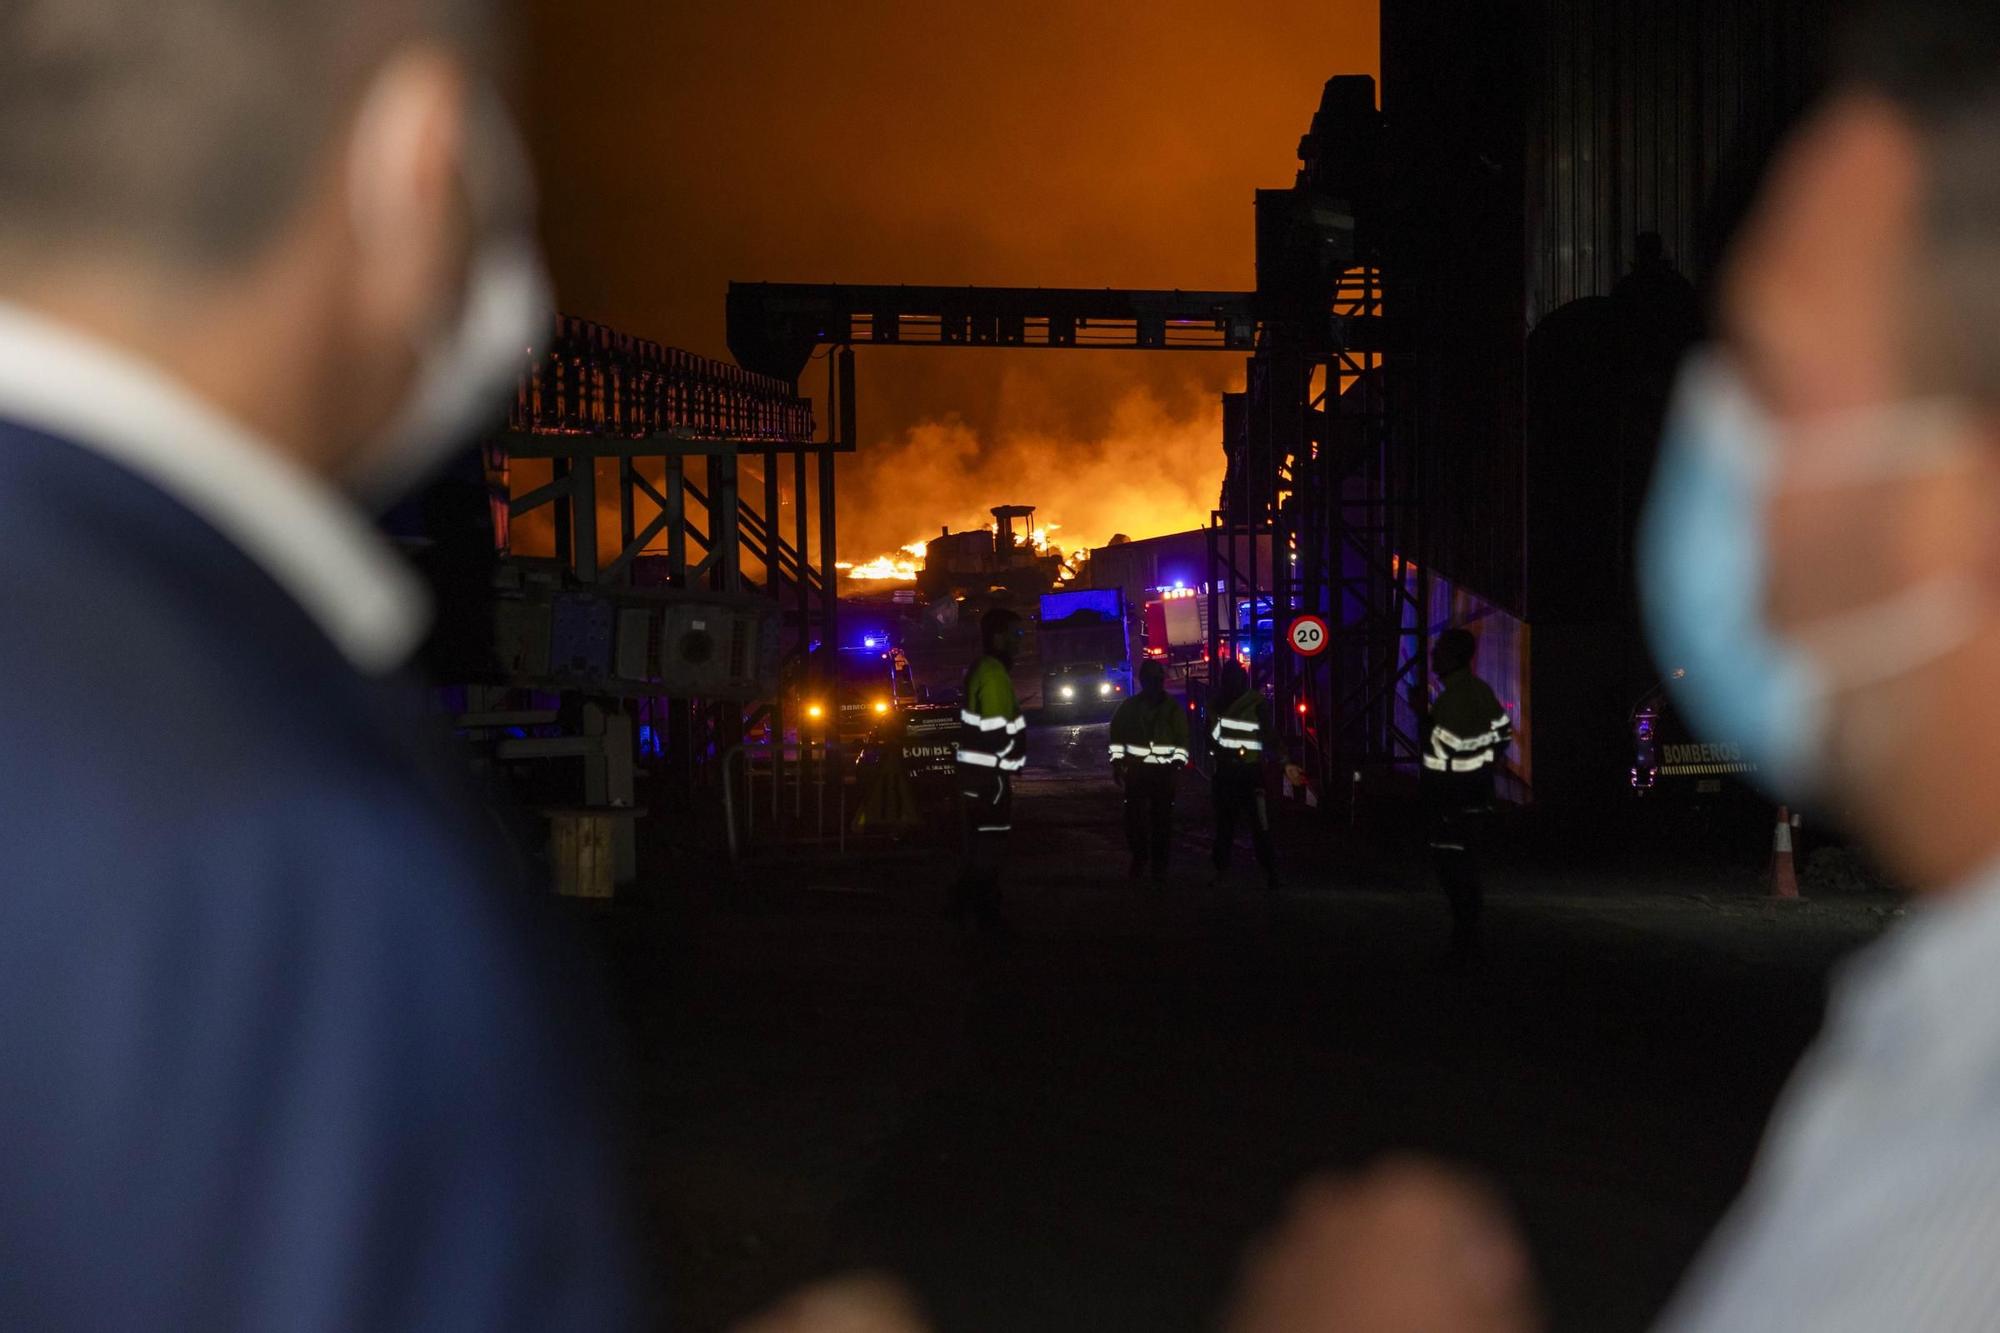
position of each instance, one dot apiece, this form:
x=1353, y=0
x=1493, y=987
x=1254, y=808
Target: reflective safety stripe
x=978, y=758
x=1234, y=724
x=1013, y=765
x=1019, y=724
x=1150, y=754
x=992, y=828
x=1239, y=745
x=972, y=719
x=1437, y=763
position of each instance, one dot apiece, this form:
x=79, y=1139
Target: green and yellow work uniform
x=1149, y=748
x=1464, y=734
x=1241, y=741
x=992, y=747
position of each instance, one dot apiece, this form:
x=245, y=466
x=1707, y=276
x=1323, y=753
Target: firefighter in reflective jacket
x=992, y=747
x=1240, y=737
x=1465, y=731
x=1149, y=748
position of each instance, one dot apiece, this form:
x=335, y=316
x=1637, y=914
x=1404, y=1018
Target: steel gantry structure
x=706, y=605
x=1321, y=465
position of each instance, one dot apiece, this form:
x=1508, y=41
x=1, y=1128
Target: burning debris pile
x=908, y=564
x=901, y=567
x=1151, y=463
x=1000, y=555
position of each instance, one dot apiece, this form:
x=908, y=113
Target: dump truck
x=1085, y=649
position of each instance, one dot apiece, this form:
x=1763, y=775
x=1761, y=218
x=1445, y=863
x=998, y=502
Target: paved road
x=1082, y=1130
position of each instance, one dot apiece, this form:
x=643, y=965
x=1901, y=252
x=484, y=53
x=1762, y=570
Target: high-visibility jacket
x=1239, y=731
x=992, y=747
x=1150, y=732
x=991, y=730
x=1467, y=729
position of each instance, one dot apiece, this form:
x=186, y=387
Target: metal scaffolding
x=666, y=476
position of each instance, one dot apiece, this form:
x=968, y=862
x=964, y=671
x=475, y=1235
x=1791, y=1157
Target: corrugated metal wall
x=1651, y=115
x=1453, y=95
x=1534, y=140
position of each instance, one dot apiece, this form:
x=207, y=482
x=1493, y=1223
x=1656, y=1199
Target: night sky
x=1110, y=143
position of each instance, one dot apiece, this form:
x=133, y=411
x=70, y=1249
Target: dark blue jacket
x=281, y=1046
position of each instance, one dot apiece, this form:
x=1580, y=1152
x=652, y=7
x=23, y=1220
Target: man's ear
x=1985, y=532
x=404, y=191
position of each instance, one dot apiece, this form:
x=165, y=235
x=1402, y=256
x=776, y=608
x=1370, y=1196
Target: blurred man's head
x=1453, y=651
x=1232, y=682
x=280, y=201
x=1152, y=678
x=1862, y=310
x=1000, y=629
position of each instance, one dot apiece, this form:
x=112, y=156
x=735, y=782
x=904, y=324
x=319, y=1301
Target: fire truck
x=1670, y=761
x=871, y=685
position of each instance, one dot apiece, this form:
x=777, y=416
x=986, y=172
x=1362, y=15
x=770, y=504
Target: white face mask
x=467, y=371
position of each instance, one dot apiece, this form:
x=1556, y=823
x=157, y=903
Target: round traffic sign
x=1308, y=636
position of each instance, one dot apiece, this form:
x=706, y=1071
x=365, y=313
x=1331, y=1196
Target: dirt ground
x=1082, y=1129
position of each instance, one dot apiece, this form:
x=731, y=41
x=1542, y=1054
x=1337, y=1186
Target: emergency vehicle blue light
x=870, y=641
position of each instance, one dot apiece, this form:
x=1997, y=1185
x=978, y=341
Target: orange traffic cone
x=1784, y=878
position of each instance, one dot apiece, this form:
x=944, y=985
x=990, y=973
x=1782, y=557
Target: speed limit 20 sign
x=1308, y=636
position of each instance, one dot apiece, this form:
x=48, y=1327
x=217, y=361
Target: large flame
x=1150, y=471
x=901, y=567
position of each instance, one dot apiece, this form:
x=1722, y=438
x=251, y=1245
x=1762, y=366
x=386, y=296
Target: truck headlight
x=1103, y=689
x=1067, y=691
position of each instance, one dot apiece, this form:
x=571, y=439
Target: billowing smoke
x=1146, y=467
